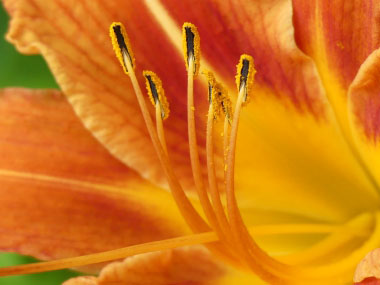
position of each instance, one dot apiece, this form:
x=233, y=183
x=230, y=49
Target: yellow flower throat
x=223, y=229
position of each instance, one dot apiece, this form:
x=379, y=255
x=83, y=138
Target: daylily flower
x=82, y=175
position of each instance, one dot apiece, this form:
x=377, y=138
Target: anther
x=211, y=83
x=226, y=105
x=245, y=75
x=217, y=97
x=191, y=46
x=156, y=93
x=215, y=93
x=121, y=45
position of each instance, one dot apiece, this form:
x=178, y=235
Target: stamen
x=121, y=45
x=191, y=216
x=266, y=267
x=210, y=81
x=191, y=46
x=227, y=110
x=156, y=93
x=194, y=239
x=215, y=93
x=226, y=105
x=109, y=255
x=245, y=76
x=214, y=191
x=160, y=129
x=226, y=137
x=194, y=156
x=218, y=249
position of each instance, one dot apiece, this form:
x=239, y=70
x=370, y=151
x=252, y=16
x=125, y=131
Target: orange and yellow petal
x=188, y=265
x=262, y=29
x=288, y=147
x=78, y=50
x=62, y=193
x=289, y=138
x=83, y=280
x=364, y=110
x=338, y=36
x=286, y=159
x=368, y=268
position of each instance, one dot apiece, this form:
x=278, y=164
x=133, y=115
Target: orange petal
x=369, y=281
x=277, y=145
x=79, y=52
x=338, y=36
x=83, y=280
x=285, y=159
x=62, y=194
x=369, y=266
x=189, y=265
x=262, y=29
x=364, y=99
x=364, y=108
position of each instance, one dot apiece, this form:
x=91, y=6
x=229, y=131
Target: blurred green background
x=32, y=72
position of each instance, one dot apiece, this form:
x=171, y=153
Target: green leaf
x=17, y=70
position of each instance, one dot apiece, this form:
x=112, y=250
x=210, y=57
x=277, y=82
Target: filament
x=194, y=239
x=194, y=156
x=187, y=210
x=214, y=191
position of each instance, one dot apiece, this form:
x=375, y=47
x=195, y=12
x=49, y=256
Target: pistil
x=194, y=239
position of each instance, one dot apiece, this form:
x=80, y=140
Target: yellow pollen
x=226, y=105
x=156, y=93
x=191, y=46
x=211, y=82
x=121, y=45
x=245, y=76
x=217, y=96
x=216, y=93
